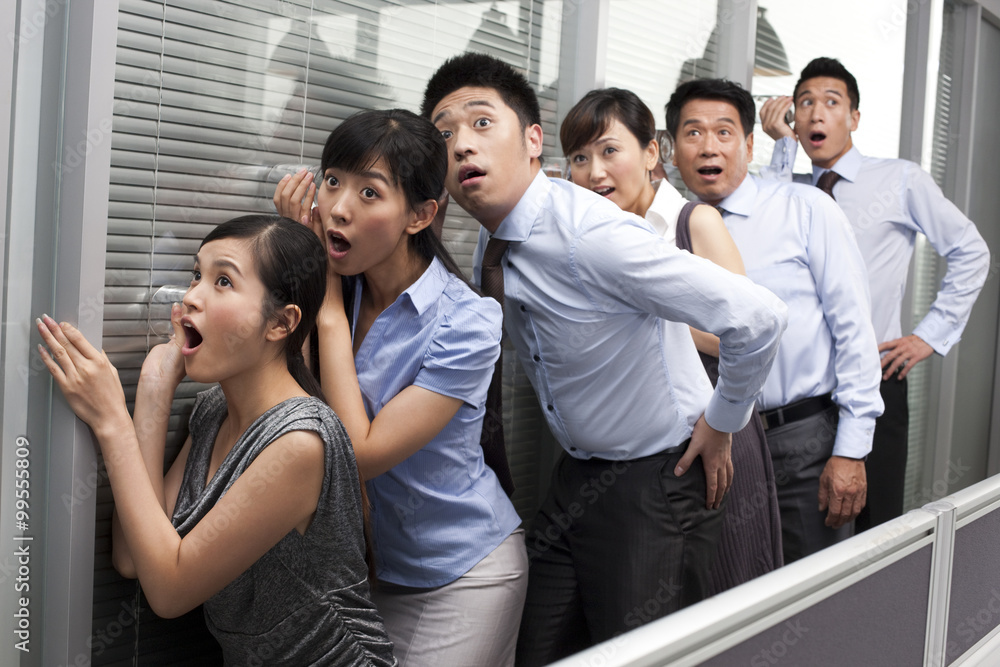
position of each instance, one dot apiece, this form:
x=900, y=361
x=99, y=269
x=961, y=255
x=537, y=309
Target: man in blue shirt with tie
x=821, y=399
x=590, y=293
x=887, y=202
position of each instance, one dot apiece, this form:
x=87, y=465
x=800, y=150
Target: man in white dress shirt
x=821, y=398
x=628, y=530
x=887, y=203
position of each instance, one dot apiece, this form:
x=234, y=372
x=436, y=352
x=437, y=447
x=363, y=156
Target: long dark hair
x=291, y=262
x=414, y=154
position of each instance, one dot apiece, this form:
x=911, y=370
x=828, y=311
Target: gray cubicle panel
x=880, y=620
x=974, y=604
x=865, y=601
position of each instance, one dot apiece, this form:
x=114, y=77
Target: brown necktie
x=492, y=440
x=827, y=180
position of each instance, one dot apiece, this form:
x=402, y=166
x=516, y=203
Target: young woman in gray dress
x=266, y=504
x=609, y=138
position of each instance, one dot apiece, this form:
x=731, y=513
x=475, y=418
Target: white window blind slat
x=127, y=175
x=121, y=141
x=128, y=9
x=141, y=62
x=133, y=311
x=133, y=161
x=135, y=44
x=121, y=209
x=132, y=193
x=127, y=226
x=117, y=293
x=134, y=23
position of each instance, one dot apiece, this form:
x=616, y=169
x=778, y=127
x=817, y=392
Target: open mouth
x=338, y=245
x=192, y=338
x=816, y=137
x=470, y=173
x=710, y=171
x=604, y=191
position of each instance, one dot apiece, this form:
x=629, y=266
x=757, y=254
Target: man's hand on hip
x=903, y=354
x=715, y=449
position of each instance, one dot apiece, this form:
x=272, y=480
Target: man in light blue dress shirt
x=821, y=398
x=887, y=202
x=624, y=536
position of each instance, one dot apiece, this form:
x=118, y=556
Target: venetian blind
x=213, y=103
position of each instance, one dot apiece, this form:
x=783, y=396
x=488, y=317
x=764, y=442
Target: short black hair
x=722, y=90
x=483, y=71
x=593, y=115
x=834, y=69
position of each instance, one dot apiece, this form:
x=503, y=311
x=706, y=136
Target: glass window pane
x=654, y=44
x=214, y=102
x=868, y=38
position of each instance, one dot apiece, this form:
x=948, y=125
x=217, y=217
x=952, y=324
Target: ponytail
x=301, y=373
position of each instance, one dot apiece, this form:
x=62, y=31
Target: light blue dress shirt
x=442, y=510
x=796, y=242
x=888, y=202
x=662, y=214
x=586, y=285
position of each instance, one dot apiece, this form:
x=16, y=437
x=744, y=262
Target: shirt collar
x=424, y=291
x=666, y=198
x=847, y=166
x=428, y=288
x=742, y=199
x=518, y=223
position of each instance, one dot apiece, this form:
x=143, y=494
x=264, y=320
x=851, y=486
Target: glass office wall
x=214, y=102
x=869, y=38
x=655, y=45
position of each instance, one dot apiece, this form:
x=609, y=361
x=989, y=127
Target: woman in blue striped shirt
x=406, y=366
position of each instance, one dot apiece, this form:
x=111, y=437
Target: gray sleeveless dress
x=306, y=601
x=751, y=534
